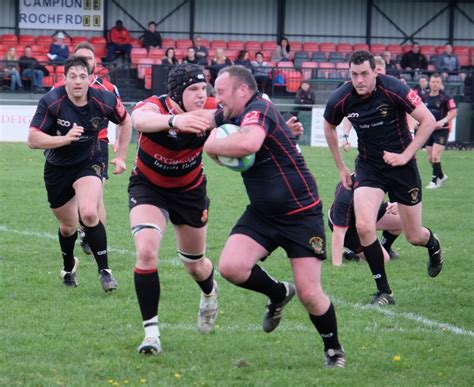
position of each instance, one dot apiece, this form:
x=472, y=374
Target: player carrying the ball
x=285, y=209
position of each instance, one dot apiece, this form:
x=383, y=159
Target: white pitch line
x=434, y=325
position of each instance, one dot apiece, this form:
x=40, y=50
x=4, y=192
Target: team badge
x=414, y=195
x=97, y=169
x=317, y=243
x=383, y=110
x=95, y=122
x=204, y=216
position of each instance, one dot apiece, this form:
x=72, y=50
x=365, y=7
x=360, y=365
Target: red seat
x=183, y=43
x=344, y=47
x=235, y=45
x=136, y=43
x=100, y=45
x=428, y=50
x=439, y=50
x=167, y=43
x=394, y=49
x=327, y=47
x=307, y=69
x=180, y=53
x=326, y=70
x=156, y=53
x=231, y=54
x=253, y=45
x=138, y=53
x=285, y=64
x=293, y=80
x=310, y=46
x=78, y=39
x=406, y=48
x=377, y=48
x=205, y=43
x=9, y=39
x=27, y=40
x=463, y=54
x=296, y=46
x=269, y=45
x=343, y=70
x=44, y=40
x=218, y=43
x=143, y=64
x=361, y=47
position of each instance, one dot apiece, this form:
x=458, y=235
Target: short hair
x=379, y=61
x=27, y=47
x=436, y=75
x=152, y=23
x=259, y=53
x=359, y=57
x=84, y=45
x=241, y=73
x=76, y=61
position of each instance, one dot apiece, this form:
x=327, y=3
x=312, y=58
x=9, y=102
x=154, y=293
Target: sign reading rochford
x=85, y=15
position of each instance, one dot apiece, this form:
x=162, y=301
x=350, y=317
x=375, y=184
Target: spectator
x=305, y=95
x=191, y=56
x=390, y=65
x=282, y=51
x=58, y=50
x=201, y=51
x=31, y=69
x=151, y=37
x=414, y=59
x=119, y=41
x=448, y=63
x=243, y=60
x=261, y=72
x=170, y=58
x=219, y=62
x=423, y=87
x=11, y=69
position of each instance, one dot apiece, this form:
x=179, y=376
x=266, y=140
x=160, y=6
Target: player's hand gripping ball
x=239, y=164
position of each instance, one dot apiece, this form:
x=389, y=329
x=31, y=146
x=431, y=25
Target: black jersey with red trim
x=439, y=105
x=279, y=182
x=379, y=119
x=101, y=84
x=169, y=159
x=341, y=213
x=56, y=115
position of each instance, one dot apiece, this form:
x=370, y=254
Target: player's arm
x=149, y=119
x=346, y=129
x=452, y=113
x=37, y=139
x=426, y=126
x=330, y=133
x=242, y=143
x=124, y=135
x=337, y=244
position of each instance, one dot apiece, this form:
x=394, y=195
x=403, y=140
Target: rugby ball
x=238, y=164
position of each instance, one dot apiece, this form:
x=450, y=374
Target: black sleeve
x=43, y=119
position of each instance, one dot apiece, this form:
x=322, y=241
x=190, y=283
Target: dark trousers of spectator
x=123, y=49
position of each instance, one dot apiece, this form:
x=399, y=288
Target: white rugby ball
x=239, y=164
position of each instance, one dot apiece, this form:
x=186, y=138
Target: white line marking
x=435, y=326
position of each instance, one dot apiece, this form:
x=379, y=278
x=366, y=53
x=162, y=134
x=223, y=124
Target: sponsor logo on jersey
x=61, y=122
x=251, y=118
x=353, y=115
x=413, y=97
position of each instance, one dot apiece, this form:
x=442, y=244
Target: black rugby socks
x=387, y=240
x=208, y=284
x=97, y=239
x=67, y=249
x=374, y=256
x=259, y=281
x=147, y=287
x=327, y=328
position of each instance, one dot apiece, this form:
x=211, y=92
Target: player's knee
x=231, y=272
x=89, y=217
x=67, y=229
x=364, y=229
x=146, y=253
x=312, y=298
x=415, y=239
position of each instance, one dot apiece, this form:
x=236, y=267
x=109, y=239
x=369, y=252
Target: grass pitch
x=53, y=336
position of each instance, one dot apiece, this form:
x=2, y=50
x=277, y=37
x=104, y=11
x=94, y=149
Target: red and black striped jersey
x=169, y=159
x=439, y=105
x=279, y=182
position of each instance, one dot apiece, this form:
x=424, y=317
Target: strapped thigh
x=137, y=228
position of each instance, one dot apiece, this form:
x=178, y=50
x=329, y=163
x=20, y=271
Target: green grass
x=52, y=336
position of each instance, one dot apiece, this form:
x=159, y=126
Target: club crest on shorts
x=317, y=243
x=204, y=216
x=414, y=195
x=97, y=169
